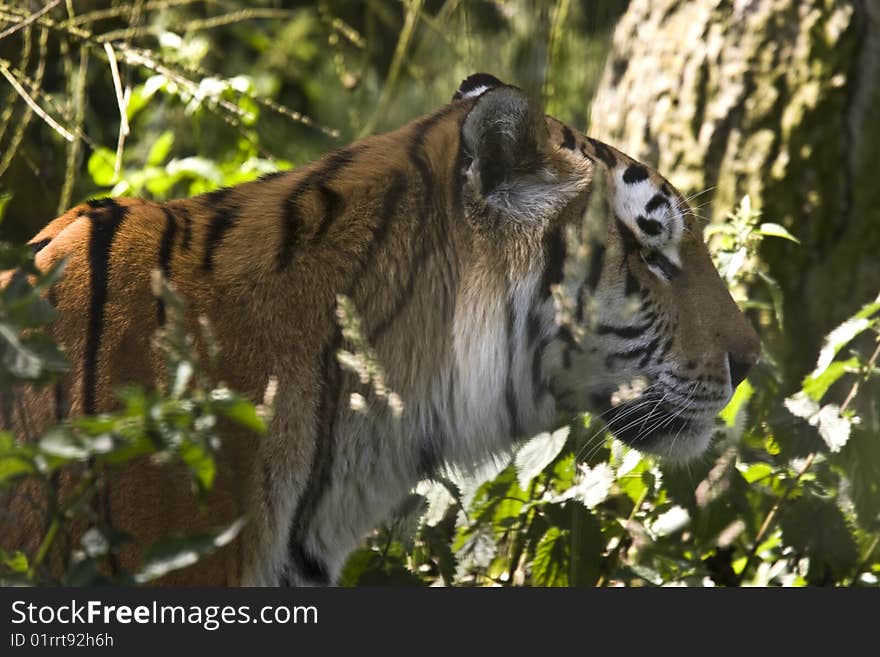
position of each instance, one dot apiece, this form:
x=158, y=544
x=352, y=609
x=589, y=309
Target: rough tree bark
x=779, y=99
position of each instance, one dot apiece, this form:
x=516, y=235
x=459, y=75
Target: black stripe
x=36, y=247
x=597, y=260
x=101, y=203
x=430, y=449
x=584, y=152
x=60, y=411
x=308, y=566
x=650, y=227
x=568, y=138
x=591, y=280
x=390, y=203
x=183, y=212
x=165, y=246
x=404, y=295
x=539, y=386
x=417, y=159
x=428, y=206
x=225, y=215
x=510, y=388
x=656, y=202
x=272, y=175
x=603, y=152
x=635, y=173
x=554, y=260
x=105, y=219
x=290, y=213
x=416, y=154
x=630, y=243
x=664, y=264
x=533, y=324
x=645, y=352
x=626, y=332
x=631, y=286
x=268, y=487
x=291, y=223
x=322, y=464
x=664, y=349
x=333, y=205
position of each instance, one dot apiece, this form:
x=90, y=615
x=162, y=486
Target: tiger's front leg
x=322, y=483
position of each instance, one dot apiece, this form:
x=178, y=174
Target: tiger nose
x=740, y=366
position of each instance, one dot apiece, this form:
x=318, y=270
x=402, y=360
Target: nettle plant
x=66, y=469
x=788, y=495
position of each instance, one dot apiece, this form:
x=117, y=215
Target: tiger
x=460, y=240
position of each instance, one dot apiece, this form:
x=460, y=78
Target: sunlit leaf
x=737, y=403
x=775, y=230
x=755, y=471
x=101, y=167
x=833, y=427
x=670, y=522
x=174, y=553
x=537, y=454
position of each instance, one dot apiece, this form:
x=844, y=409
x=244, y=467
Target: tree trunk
x=778, y=99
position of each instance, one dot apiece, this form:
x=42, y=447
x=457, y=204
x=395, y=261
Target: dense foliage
x=219, y=92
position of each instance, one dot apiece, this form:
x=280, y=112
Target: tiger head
x=630, y=317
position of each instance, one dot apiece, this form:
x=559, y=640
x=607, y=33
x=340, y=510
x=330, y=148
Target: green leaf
x=816, y=386
x=631, y=481
x=16, y=562
x=200, y=463
x=737, y=403
x=238, y=409
x=550, y=566
x=102, y=163
x=359, y=563
x=160, y=148
x=755, y=471
x=176, y=552
x=537, y=454
x=775, y=230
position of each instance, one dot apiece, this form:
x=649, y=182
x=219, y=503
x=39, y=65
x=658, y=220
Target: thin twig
x=4, y=70
x=27, y=21
x=120, y=101
x=200, y=24
x=413, y=11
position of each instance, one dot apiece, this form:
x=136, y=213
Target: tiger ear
x=505, y=135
